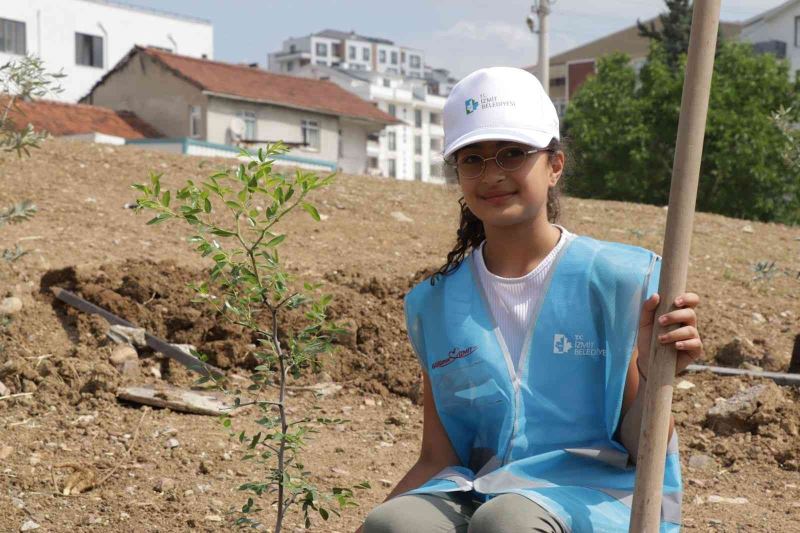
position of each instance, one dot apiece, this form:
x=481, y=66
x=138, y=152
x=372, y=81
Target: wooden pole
x=646, y=511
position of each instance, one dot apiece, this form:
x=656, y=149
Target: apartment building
x=410, y=149
x=85, y=38
x=777, y=31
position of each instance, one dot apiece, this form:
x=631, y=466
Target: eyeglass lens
x=508, y=158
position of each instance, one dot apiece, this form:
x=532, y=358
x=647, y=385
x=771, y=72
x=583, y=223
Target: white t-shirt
x=511, y=299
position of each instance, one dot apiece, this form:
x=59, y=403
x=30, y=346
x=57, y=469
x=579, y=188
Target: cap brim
x=535, y=138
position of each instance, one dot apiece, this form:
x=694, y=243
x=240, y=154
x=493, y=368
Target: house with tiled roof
x=211, y=108
x=79, y=121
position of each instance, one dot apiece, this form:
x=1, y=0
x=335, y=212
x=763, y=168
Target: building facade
x=412, y=148
x=332, y=48
x=777, y=31
x=85, y=38
x=218, y=105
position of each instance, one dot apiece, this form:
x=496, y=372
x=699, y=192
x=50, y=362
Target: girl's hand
x=686, y=338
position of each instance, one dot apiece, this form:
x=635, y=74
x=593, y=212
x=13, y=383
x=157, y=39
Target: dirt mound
x=373, y=354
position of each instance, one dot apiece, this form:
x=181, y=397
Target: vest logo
x=471, y=104
x=562, y=344
x=454, y=354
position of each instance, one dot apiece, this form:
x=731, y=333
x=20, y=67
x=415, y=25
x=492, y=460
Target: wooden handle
x=646, y=512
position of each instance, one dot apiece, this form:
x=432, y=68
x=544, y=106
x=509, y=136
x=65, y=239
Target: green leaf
x=276, y=241
x=222, y=232
x=159, y=218
x=165, y=199
x=311, y=210
x=206, y=205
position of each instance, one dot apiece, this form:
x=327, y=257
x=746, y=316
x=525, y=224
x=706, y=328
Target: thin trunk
x=281, y=449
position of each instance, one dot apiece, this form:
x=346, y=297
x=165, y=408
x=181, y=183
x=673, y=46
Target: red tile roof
x=249, y=83
x=59, y=118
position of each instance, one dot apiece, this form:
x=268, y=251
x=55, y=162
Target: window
x=392, y=141
x=436, y=145
x=322, y=49
x=88, y=50
x=417, y=145
x=394, y=58
x=387, y=82
x=382, y=56
x=435, y=170
x=322, y=62
x=12, y=37
x=249, y=118
x=558, y=82
x=797, y=31
x=292, y=49
x=365, y=54
x=194, y=121
x=435, y=118
x=351, y=52
x=392, y=168
x=402, y=57
x=418, y=118
x=311, y=134
x=415, y=61
x=417, y=170
x=372, y=162
x=289, y=66
x=392, y=110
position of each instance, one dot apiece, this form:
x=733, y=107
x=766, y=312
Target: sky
x=461, y=35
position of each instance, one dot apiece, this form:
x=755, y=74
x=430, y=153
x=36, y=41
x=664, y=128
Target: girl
x=534, y=342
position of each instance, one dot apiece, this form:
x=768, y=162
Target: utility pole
x=541, y=8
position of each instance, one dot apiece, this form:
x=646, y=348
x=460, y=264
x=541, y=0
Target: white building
x=352, y=51
x=85, y=38
x=410, y=150
x=777, y=31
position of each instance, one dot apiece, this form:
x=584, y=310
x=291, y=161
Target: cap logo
x=472, y=105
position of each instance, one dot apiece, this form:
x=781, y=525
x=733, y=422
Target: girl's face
x=501, y=197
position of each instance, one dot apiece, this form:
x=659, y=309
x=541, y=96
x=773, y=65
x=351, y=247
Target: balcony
x=373, y=149
x=436, y=130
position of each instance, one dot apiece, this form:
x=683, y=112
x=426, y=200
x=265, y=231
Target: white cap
x=499, y=104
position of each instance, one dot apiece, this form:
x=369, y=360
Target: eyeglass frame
x=454, y=162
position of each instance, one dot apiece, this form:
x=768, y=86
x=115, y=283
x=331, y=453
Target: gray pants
x=452, y=512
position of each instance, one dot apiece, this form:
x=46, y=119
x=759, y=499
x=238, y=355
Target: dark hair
x=470, y=231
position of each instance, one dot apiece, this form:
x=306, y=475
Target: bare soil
x=69, y=423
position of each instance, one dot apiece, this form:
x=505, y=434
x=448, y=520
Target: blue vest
x=545, y=430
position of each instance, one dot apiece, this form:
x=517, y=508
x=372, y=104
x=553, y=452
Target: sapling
x=234, y=217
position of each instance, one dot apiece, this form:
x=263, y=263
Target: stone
x=28, y=525
x=745, y=410
x=728, y=501
x=125, y=359
x=401, y=217
x=172, y=443
x=701, y=462
x=340, y=472
x=213, y=518
x=10, y=306
x=165, y=484
x=385, y=482
x=747, y=228
x=4, y=390
x=684, y=385
x=5, y=452
x=737, y=351
x=369, y=401
x=155, y=372
x=758, y=318
x=84, y=421
x=127, y=335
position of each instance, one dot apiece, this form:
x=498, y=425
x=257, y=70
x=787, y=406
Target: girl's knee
x=512, y=513
x=417, y=514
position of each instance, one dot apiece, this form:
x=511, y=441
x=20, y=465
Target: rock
x=340, y=472
x=729, y=501
x=385, y=482
x=701, y=462
x=10, y=306
x=164, y=485
x=738, y=351
x=127, y=335
x=758, y=318
x=213, y=518
x=684, y=385
x=28, y=525
x=5, y=452
x=84, y=421
x=125, y=359
x=172, y=443
x=746, y=410
x=155, y=372
x=401, y=217
x=747, y=228
x=369, y=401
x=4, y=390
x=34, y=459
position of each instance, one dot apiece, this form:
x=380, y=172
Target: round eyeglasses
x=508, y=158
